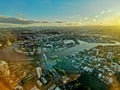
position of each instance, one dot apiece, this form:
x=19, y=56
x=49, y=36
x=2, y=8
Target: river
x=83, y=45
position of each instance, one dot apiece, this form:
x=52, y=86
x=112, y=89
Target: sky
x=80, y=11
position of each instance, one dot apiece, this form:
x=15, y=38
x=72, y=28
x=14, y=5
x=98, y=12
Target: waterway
x=82, y=46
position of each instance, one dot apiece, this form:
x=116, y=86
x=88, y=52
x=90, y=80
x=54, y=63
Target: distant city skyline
x=81, y=12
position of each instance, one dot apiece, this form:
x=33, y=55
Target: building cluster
x=31, y=43
x=96, y=38
x=47, y=72
x=6, y=38
x=4, y=69
x=98, y=61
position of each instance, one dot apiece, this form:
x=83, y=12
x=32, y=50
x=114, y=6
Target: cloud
x=111, y=20
x=71, y=18
x=1, y=16
x=94, y=20
x=59, y=22
x=103, y=12
x=15, y=20
x=44, y=21
x=73, y=24
x=109, y=11
x=86, y=18
x=96, y=16
x=20, y=14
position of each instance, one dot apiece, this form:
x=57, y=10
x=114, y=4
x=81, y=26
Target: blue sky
x=57, y=9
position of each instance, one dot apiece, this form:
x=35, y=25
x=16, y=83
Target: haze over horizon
x=61, y=12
